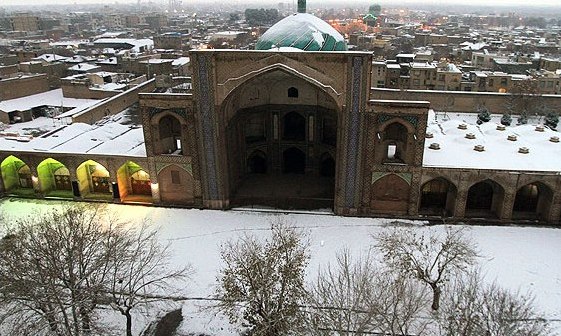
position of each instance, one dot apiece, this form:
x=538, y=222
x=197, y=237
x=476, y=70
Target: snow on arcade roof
x=457, y=151
x=111, y=136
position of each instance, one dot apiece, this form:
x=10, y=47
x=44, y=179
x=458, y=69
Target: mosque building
x=293, y=125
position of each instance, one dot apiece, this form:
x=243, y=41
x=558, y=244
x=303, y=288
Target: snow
x=50, y=98
x=519, y=258
x=456, y=151
x=109, y=137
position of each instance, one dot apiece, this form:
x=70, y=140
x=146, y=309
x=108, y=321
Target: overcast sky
x=311, y=3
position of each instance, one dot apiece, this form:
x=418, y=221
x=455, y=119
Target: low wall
x=460, y=101
x=114, y=104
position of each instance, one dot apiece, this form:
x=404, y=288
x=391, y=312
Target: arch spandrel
x=255, y=70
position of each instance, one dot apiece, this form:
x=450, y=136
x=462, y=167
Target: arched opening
x=294, y=127
x=293, y=161
x=54, y=178
x=394, y=143
x=390, y=194
x=176, y=185
x=134, y=183
x=16, y=175
x=255, y=128
x=533, y=201
x=485, y=199
x=292, y=92
x=94, y=181
x=438, y=197
x=170, y=135
x=257, y=163
x=327, y=166
x=273, y=143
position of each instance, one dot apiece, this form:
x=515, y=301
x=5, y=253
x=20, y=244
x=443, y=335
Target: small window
x=392, y=149
x=175, y=179
x=292, y=92
x=178, y=143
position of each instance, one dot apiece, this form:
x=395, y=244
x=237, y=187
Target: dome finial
x=301, y=6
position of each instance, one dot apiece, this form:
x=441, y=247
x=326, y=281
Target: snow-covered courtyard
x=519, y=258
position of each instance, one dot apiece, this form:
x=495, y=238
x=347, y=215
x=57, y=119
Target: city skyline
x=311, y=4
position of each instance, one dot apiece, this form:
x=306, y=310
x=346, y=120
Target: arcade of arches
x=91, y=181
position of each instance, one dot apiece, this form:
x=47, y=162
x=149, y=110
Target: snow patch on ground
x=518, y=258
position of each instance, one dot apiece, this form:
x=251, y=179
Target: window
x=491, y=82
x=175, y=179
x=392, y=149
x=292, y=92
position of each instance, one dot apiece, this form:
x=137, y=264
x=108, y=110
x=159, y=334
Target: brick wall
x=12, y=88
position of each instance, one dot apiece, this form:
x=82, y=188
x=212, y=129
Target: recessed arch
x=257, y=115
x=94, y=180
x=293, y=127
x=394, y=136
x=54, y=178
x=134, y=183
x=533, y=201
x=485, y=199
x=257, y=162
x=16, y=175
x=170, y=140
x=292, y=92
x=438, y=197
x=293, y=161
x=176, y=185
x=390, y=194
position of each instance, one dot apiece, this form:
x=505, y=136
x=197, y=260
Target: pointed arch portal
x=278, y=126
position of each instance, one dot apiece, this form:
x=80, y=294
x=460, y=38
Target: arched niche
x=54, y=178
x=438, y=197
x=390, y=194
x=485, y=199
x=94, y=180
x=533, y=201
x=176, y=185
x=16, y=175
x=134, y=183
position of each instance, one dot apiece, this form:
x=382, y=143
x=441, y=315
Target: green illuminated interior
x=11, y=167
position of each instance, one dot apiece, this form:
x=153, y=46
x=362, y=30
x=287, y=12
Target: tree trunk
x=129, y=323
x=436, y=291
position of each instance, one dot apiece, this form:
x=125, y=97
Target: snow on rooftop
x=109, y=137
x=50, y=98
x=456, y=151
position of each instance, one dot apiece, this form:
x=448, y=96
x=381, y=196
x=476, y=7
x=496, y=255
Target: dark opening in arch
x=437, y=197
x=533, y=201
x=170, y=135
x=257, y=163
x=294, y=161
x=527, y=198
x=294, y=127
x=480, y=196
x=327, y=166
x=292, y=92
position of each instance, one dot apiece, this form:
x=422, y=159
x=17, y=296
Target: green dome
x=302, y=31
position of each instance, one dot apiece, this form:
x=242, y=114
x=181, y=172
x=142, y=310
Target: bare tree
x=473, y=308
x=141, y=273
x=53, y=268
x=356, y=297
x=428, y=257
x=262, y=283
x=339, y=297
x=59, y=267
